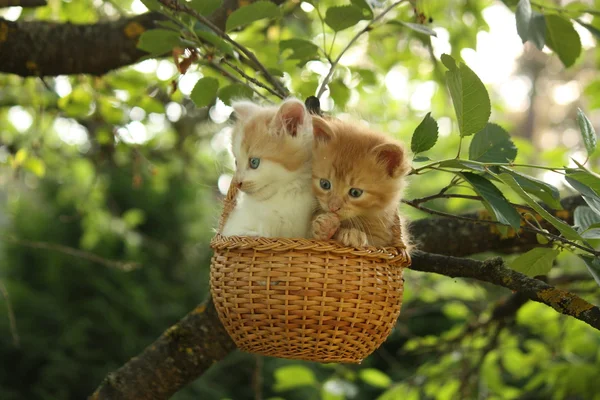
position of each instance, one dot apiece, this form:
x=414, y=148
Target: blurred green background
x=117, y=167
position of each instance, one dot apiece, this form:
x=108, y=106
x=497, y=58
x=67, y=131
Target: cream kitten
x=358, y=177
x=272, y=149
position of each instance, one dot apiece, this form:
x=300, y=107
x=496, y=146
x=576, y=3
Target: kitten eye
x=354, y=192
x=254, y=162
x=325, y=184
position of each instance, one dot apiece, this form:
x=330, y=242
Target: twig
x=416, y=204
x=233, y=78
x=257, y=379
x=122, y=265
x=495, y=271
x=11, y=316
x=350, y=43
x=248, y=77
x=175, y=5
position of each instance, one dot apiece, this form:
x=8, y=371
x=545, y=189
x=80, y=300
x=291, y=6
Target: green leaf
x=593, y=30
x=495, y=201
x=215, y=40
x=425, y=136
x=592, y=233
x=36, y=166
x=492, y=144
x=535, y=262
x=591, y=180
x=375, y=377
x=563, y=39
x=593, y=266
x=234, y=91
x=537, y=30
x=339, y=92
x=158, y=41
x=302, y=50
x=205, y=92
x=523, y=16
x=205, y=7
x=587, y=132
x=531, y=26
x=469, y=96
x=585, y=217
x=416, y=27
x=134, y=217
x=292, y=377
x=365, y=8
x=251, y=13
x=542, y=190
x=462, y=164
x=562, y=227
x=342, y=17
x=421, y=159
x=591, y=197
x=577, y=8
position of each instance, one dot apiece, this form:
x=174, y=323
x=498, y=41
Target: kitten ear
x=392, y=156
x=290, y=116
x=244, y=109
x=321, y=130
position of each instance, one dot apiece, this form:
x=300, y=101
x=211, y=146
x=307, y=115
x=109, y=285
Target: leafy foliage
x=128, y=167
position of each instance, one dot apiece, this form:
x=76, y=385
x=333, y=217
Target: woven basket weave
x=306, y=299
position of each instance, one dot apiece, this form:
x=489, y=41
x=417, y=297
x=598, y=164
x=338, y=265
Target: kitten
x=358, y=176
x=272, y=150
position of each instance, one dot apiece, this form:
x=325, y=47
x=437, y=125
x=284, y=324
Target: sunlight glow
x=566, y=93
x=221, y=140
x=306, y=7
x=223, y=183
x=220, y=112
x=62, y=86
x=137, y=114
x=20, y=118
x=134, y=132
x=444, y=126
x=138, y=7
x=166, y=70
x=146, y=66
x=173, y=111
x=441, y=43
x=396, y=82
x=422, y=94
x=554, y=179
x=188, y=81
x=11, y=13
x=514, y=93
x=70, y=132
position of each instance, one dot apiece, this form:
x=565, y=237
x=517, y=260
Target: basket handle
x=228, y=203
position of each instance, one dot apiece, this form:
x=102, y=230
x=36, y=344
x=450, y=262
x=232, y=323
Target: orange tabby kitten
x=358, y=177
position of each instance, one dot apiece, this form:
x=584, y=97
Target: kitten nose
x=335, y=205
x=239, y=185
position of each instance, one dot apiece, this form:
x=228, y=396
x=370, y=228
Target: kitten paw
x=325, y=225
x=352, y=237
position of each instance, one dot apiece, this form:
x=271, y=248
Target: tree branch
x=450, y=236
x=162, y=368
x=22, y=3
x=495, y=271
x=181, y=354
x=41, y=48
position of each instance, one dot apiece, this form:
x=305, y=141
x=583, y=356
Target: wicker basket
x=306, y=299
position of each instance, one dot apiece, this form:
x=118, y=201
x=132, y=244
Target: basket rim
x=395, y=255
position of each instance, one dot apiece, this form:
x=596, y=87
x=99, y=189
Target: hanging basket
x=306, y=299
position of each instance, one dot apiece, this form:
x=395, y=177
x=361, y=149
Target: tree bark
x=188, y=348
x=41, y=48
x=182, y=353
